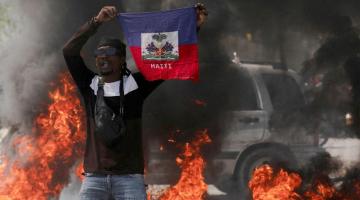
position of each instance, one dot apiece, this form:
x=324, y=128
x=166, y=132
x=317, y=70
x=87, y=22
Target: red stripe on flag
x=185, y=68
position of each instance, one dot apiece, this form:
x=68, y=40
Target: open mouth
x=105, y=67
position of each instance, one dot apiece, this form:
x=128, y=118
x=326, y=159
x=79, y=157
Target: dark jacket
x=127, y=156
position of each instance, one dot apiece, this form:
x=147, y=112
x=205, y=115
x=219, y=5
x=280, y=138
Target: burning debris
x=268, y=184
x=272, y=183
x=191, y=184
x=79, y=170
x=258, y=32
x=37, y=165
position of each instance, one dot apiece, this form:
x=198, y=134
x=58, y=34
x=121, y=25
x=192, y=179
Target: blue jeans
x=117, y=187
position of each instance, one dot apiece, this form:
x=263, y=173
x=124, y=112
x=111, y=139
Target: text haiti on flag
x=163, y=44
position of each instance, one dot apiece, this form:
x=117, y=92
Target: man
x=113, y=167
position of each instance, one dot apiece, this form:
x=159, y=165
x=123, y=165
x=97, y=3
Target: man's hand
x=201, y=13
x=107, y=13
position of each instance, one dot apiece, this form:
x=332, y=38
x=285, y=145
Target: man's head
x=110, y=56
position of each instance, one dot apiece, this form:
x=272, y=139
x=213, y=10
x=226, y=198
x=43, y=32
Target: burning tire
x=275, y=155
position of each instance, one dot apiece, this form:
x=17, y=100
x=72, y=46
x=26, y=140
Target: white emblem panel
x=160, y=46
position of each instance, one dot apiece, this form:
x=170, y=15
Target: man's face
x=108, y=61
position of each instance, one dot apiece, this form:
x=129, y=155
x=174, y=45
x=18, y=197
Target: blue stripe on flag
x=182, y=20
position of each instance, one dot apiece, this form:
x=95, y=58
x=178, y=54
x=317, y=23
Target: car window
x=237, y=90
x=284, y=92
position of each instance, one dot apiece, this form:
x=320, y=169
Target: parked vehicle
x=237, y=105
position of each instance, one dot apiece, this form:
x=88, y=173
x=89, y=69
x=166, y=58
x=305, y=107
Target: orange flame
x=321, y=190
x=79, y=170
x=267, y=185
x=40, y=162
x=191, y=184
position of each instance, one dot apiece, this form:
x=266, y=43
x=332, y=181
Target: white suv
x=236, y=103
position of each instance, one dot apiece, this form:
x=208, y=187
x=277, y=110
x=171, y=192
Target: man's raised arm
x=71, y=50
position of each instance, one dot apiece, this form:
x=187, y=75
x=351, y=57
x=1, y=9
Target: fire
x=268, y=185
x=39, y=164
x=79, y=170
x=322, y=189
x=191, y=184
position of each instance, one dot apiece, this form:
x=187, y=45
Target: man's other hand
x=201, y=13
x=106, y=13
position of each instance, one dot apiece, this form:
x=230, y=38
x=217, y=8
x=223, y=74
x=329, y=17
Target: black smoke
x=319, y=36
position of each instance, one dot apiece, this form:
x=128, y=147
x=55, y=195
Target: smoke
x=290, y=32
x=258, y=30
x=36, y=37
x=26, y=64
x=30, y=59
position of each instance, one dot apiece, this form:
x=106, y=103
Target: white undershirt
x=112, y=89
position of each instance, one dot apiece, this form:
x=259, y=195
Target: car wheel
x=268, y=155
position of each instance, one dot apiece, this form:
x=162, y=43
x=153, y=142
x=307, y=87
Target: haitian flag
x=163, y=44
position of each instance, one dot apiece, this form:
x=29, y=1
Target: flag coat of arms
x=163, y=44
